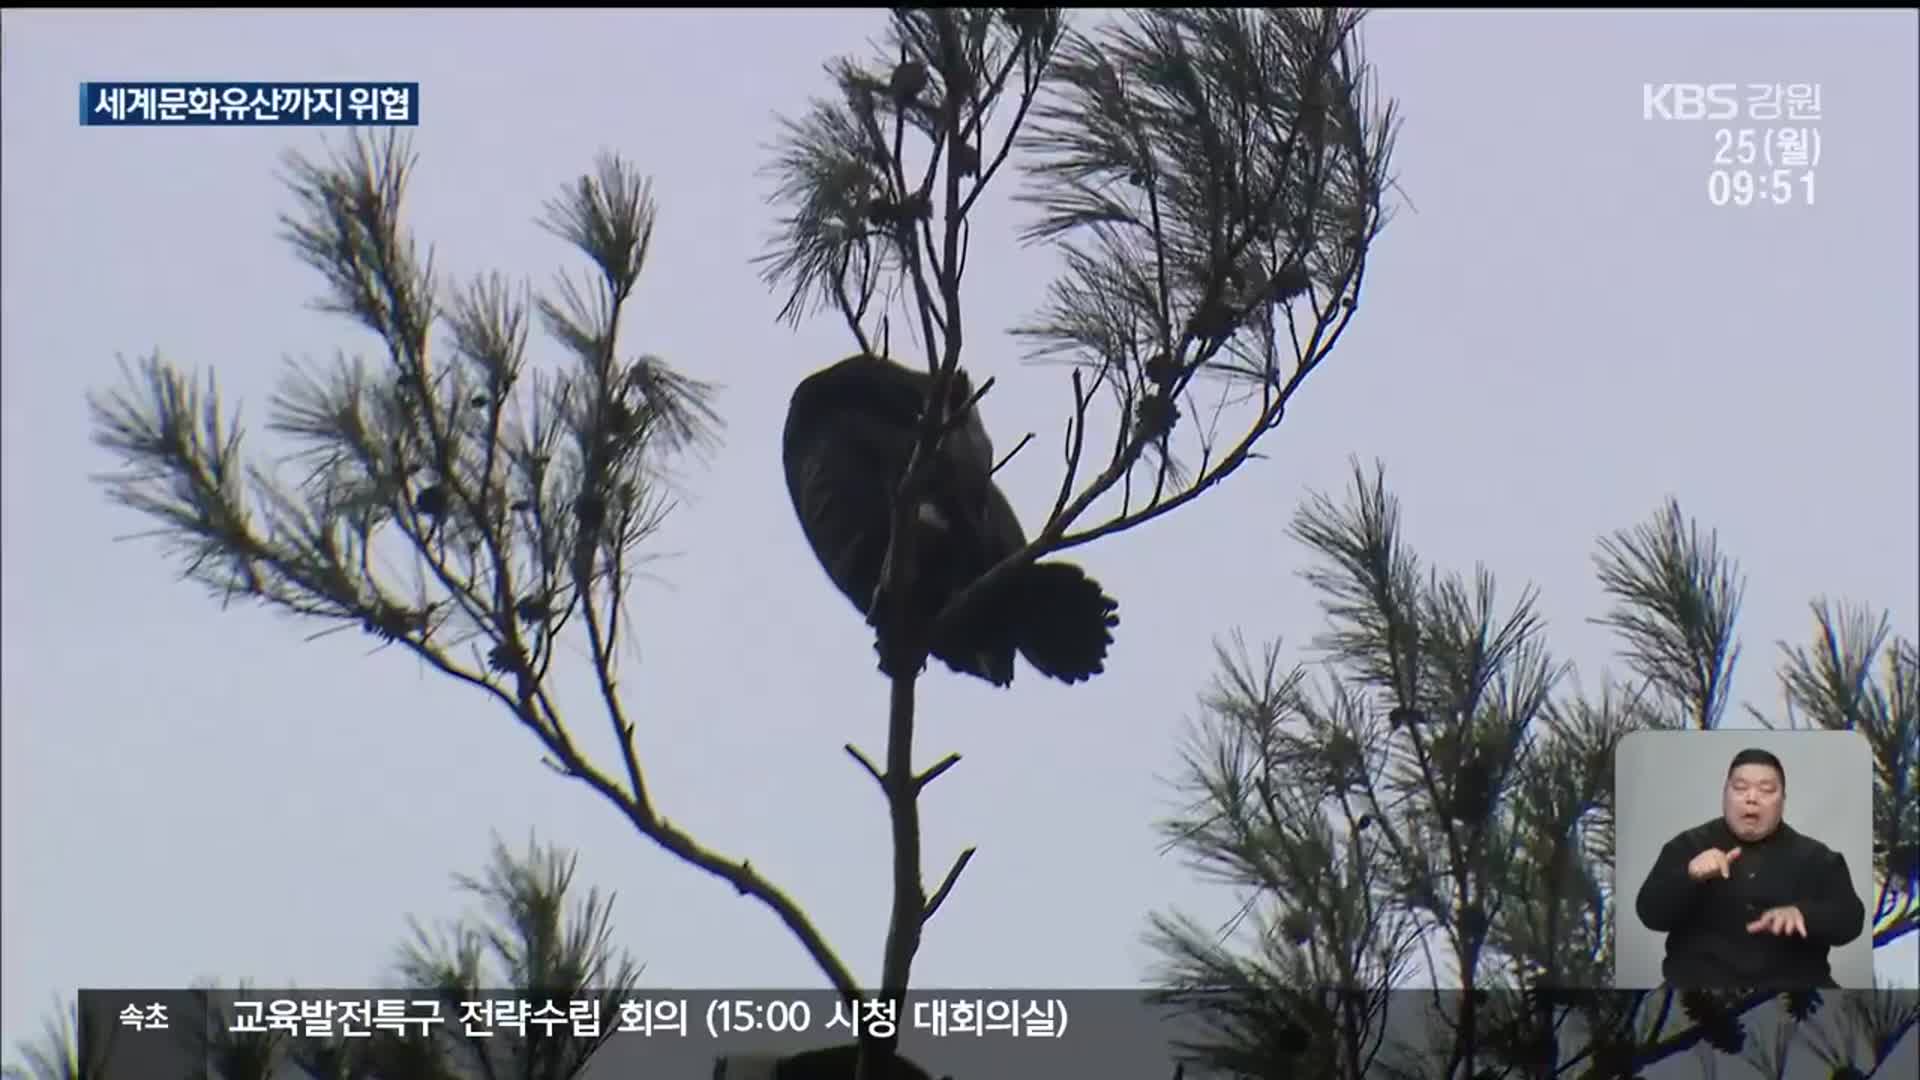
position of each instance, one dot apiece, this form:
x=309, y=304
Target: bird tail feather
x=1063, y=620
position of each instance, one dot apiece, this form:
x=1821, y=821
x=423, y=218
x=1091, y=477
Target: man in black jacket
x=1745, y=900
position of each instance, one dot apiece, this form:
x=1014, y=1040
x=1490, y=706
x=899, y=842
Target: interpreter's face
x=1753, y=801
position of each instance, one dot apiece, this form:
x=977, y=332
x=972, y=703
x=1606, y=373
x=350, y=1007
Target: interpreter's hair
x=1756, y=756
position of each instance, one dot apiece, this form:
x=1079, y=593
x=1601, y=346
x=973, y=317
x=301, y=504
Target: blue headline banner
x=302, y=104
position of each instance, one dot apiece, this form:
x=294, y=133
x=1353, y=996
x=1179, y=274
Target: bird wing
x=850, y=430
x=839, y=478
x=998, y=523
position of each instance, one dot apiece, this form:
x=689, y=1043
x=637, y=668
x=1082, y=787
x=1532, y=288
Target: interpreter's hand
x=1781, y=920
x=1712, y=863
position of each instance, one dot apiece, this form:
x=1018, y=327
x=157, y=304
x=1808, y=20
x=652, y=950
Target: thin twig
x=867, y=764
x=947, y=883
x=934, y=772
x=1019, y=446
x=1076, y=441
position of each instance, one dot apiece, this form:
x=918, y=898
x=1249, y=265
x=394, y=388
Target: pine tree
x=1434, y=790
x=1213, y=178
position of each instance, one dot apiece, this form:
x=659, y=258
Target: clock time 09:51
x=1744, y=187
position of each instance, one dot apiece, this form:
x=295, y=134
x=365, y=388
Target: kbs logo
x=1688, y=101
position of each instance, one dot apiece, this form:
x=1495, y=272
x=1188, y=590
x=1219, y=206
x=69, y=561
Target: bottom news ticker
x=175, y=1034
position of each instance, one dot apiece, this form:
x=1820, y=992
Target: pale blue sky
x=1562, y=335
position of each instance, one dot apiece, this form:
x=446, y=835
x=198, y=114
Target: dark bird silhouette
x=850, y=431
